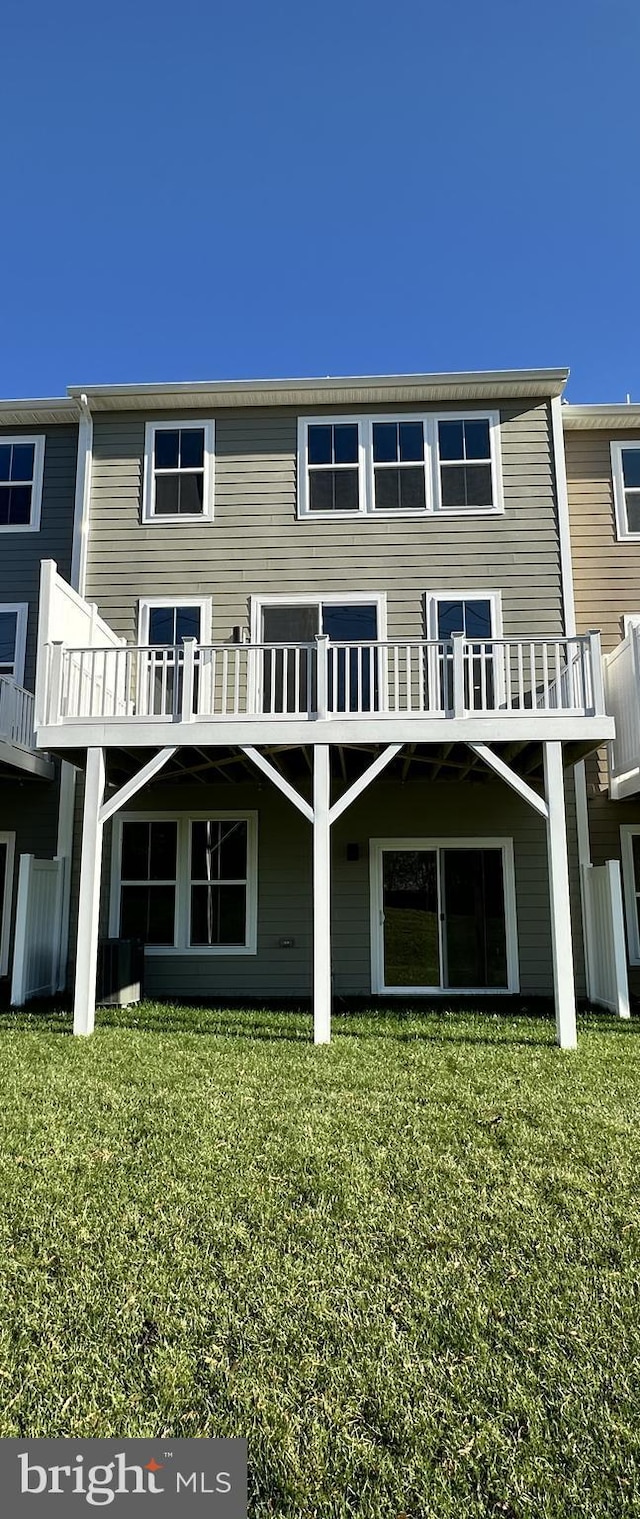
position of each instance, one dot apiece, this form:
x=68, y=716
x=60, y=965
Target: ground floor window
x=443, y=915
x=630, y=840
x=7, y=854
x=186, y=885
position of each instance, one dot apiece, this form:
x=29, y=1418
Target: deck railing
x=16, y=714
x=622, y=691
x=421, y=677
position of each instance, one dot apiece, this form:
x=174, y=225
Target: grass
x=405, y=1266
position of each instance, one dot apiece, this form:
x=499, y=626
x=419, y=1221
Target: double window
x=625, y=468
x=178, y=472
x=13, y=636
x=186, y=884
x=399, y=466
x=21, y=468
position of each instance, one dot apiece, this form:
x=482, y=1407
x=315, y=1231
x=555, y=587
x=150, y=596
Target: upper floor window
x=21, y=465
x=399, y=465
x=178, y=472
x=13, y=636
x=625, y=465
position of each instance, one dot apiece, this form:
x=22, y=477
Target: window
x=630, y=840
x=7, y=853
x=399, y=465
x=21, y=467
x=625, y=468
x=178, y=472
x=186, y=885
x=288, y=685
x=164, y=624
x=13, y=636
x=464, y=463
x=479, y=617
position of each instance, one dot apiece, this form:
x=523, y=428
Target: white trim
x=377, y=847
x=564, y=531
x=20, y=646
x=135, y=784
x=623, y=533
x=293, y=796
x=183, y=519
x=7, y=902
x=493, y=597
x=82, y=504
x=183, y=820
x=33, y=525
x=627, y=832
x=559, y=898
x=147, y=603
x=366, y=486
x=511, y=778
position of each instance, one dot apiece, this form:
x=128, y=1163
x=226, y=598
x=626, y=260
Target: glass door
x=410, y=908
x=443, y=919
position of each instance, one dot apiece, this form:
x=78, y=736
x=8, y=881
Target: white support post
x=322, y=674
x=84, y=1008
x=561, y=939
x=457, y=640
x=188, y=679
x=321, y=896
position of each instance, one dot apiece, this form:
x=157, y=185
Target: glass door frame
x=377, y=848
x=314, y=598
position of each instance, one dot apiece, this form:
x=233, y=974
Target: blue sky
x=267, y=189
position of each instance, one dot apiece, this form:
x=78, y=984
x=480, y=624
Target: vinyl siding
x=20, y=553
x=606, y=573
x=256, y=546
x=284, y=884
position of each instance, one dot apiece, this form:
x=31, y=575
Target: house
x=321, y=676
x=38, y=448
x=602, y=445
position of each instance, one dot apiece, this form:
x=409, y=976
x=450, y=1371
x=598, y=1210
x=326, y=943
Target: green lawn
x=405, y=1266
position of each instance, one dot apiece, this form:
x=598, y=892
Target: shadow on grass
x=458, y=1022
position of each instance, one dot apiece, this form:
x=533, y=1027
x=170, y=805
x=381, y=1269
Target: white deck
x=17, y=731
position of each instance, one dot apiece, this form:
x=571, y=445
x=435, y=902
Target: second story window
x=21, y=463
x=178, y=483
x=399, y=466
x=625, y=464
x=334, y=467
x=464, y=458
x=13, y=632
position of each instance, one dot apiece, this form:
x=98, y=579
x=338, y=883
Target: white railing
x=421, y=677
x=622, y=694
x=16, y=714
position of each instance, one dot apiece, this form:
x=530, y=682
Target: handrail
x=16, y=714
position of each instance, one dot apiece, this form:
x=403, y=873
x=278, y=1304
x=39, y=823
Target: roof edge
x=614, y=414
x=547, y=381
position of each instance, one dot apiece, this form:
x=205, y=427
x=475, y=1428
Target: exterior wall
x=28, y=804
x=256, y=546
x=606, y=577
x=414, y=809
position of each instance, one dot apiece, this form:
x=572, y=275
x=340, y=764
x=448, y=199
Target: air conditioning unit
x=120, y=972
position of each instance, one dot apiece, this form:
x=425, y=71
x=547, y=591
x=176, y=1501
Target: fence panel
x=36, y=957
x=606, y=954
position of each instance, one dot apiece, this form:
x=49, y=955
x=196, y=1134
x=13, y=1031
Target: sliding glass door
x=443, y=916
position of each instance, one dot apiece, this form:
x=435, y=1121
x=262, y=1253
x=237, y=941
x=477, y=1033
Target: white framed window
x=399, y=465
x=178, y=472
x=187, y=884
x=284, y=686
x=13, y=639
x=443, y=916
x=167, y=620
x=477, y=614
x=21, y=474
x=630, y=849
x=7, y=856
x=625, y=470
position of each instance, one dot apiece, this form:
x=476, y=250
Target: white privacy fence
x=607, y=980
x=38, y=932
x=16, y=714
x=431, y=677
x=622, y=690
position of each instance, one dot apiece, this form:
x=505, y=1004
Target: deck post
x=321, y=896
x=84, y=1007
x=561, y=940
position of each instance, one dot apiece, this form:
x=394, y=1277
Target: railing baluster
x=558, y=676
x=545, y=675
x=409, y=676
x=396, y=684
x=521, y=700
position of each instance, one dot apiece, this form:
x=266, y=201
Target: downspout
x=66, y=800
x=569, y=611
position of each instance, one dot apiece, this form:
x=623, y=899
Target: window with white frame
x=186, y=885
x=288, y=685
x=13, y=638
x=21, y=469
x=630, y=842
x=625, y=467
x=478, y=615
x=402, y=465
x=178, y=472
